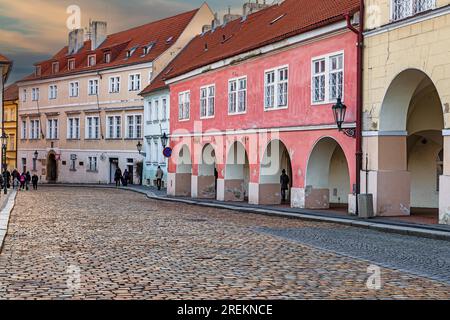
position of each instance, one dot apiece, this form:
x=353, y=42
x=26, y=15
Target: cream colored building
x=80, y=113
x=407, y=107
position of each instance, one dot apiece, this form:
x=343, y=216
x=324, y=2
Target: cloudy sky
x=33, y=30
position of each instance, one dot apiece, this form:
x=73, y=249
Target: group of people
x=122, y=179
x=18, y=181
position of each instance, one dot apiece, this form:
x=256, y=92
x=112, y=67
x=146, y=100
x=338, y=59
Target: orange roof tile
x=270, y=25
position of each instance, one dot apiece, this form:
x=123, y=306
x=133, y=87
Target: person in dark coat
x=118, y=177
x=126, y=178
x=28, y=179
x=35, y=180
x=8, y=179
x=284, y=181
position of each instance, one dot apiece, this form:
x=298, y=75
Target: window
x=402, y=9
x=107, y=57
x=327, y=78
x=73, y=128
x=134, y=82
x=55, y=67
x=24, y=164
x=207, y=99
x=34, y=129
x=24, y=95
x=114, y=84
x=134, y=127
x=155, y=151
x=71, y=64
x=24, y=130
x=184, y=103
x=237, y=96
x=114, y=127
x=52, y=92
x=92, y=60
x=276, y=88
x=38, y=71
x=12, y=140
x=155, y=112
x=74, y=89
x=93, y=87
x=92, y=127
x=92, y=164
x=35, y=94
x=150, y=111
x=52, y=129
x=164, y=109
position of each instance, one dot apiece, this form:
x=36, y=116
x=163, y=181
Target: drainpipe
x=359, y=101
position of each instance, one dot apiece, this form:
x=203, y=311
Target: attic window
x=71, y=64
x=107, y=57
x=278, y=19
x=147, y=48
x=169, y=40
x=38, y=71
x=206, y=46
x=130, y=52
x=55, y=67
x=92, y=60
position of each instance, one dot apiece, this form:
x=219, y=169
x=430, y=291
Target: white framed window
x=114, y=84
x=92, y=127
x=184, y=105
x=92, y=60
x=35, y=94
x=107, y=57
x=327, y=82
x=23, y=134
x=73, y=128
x=276, y=86
x=92, y=164
x=237, y=96
x=164, y=109
x=71, y=64
x=155, y=151
x=155, y=112
x=52, y=129
x=93, y=87
x=401, y=9
x=24, y=95
x=74, y=89
x=134, y=82
x=207, y=101
x=52, y=92
x=34, y=129
x=114, y=127
x=55, y=67
x=38, y=71
x=134, y=126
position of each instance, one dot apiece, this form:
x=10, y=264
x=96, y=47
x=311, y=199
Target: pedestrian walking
x=28, y=179
x=159, y=177
x=22, y=181
x=284, y=181
x=8, y=179
x=126, y=178
x=118, y=177
x=35, y=180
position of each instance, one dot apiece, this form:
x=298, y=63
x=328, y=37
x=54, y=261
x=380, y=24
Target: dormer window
x=130, y=52
x=71, y=64
x=55, y=67
x=92, y=60
x=38, y=71
x=147, y=49
x=169, y=40
x=107, y=57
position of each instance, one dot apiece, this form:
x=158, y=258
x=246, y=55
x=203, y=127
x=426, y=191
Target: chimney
x=216, y=22
x=252, y=7
x=98, y=33
x=76, y=40
x=230, y=17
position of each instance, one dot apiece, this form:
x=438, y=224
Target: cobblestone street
x=78, y=243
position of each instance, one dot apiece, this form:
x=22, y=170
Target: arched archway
x=52, y=168
x=275, y=159
x=206, y=181
x=411, y=126
x=237, y=174
x=183, y=172
x=327, y=176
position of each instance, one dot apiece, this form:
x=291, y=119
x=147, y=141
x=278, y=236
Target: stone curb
x=5, y=214
x=409, y=230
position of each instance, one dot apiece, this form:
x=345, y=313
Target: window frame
x=114, y=126
x=95, y=126
x=34, y=130
x=237, y=79
x=412, y=13
x=207, y=100
x=77, y=136
x=97, y=86
x=135, y=125
x=53, y=130
x=132, y=83
x=52, y=92
x=116, y=84
x=77, y=87
x=184, y=93
x=276, y=83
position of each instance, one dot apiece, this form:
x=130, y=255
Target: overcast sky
x=33, y=30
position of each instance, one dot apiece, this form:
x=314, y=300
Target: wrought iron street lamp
x=139, y=147
x=339, y=112
x=164, y=140
x=4, y=139
x=36, y=155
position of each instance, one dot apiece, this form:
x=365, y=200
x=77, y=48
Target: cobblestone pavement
x=78, y=243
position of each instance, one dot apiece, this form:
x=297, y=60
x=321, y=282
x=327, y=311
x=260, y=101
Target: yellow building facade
x=406, y=112
x=10, y=106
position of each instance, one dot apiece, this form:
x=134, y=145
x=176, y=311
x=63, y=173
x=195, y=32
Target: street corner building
x=253, y=97
x=5, y=69
x=80, y=113
x=406, y=110
x=10, y=112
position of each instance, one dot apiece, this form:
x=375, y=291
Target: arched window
x=439, y=167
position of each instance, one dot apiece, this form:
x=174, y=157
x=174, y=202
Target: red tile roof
x=4, y=59
x=161, y=34
x=273, y=24
x=11, y=93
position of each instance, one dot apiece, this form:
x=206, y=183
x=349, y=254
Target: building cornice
x=398, y=133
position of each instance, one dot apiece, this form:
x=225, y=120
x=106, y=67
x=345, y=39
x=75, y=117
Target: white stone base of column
x=298, y=198
x=352, y=204
x=253, y=193
x=194, y=186
x=171, y=184
x=444, y=200
x=221, y=189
